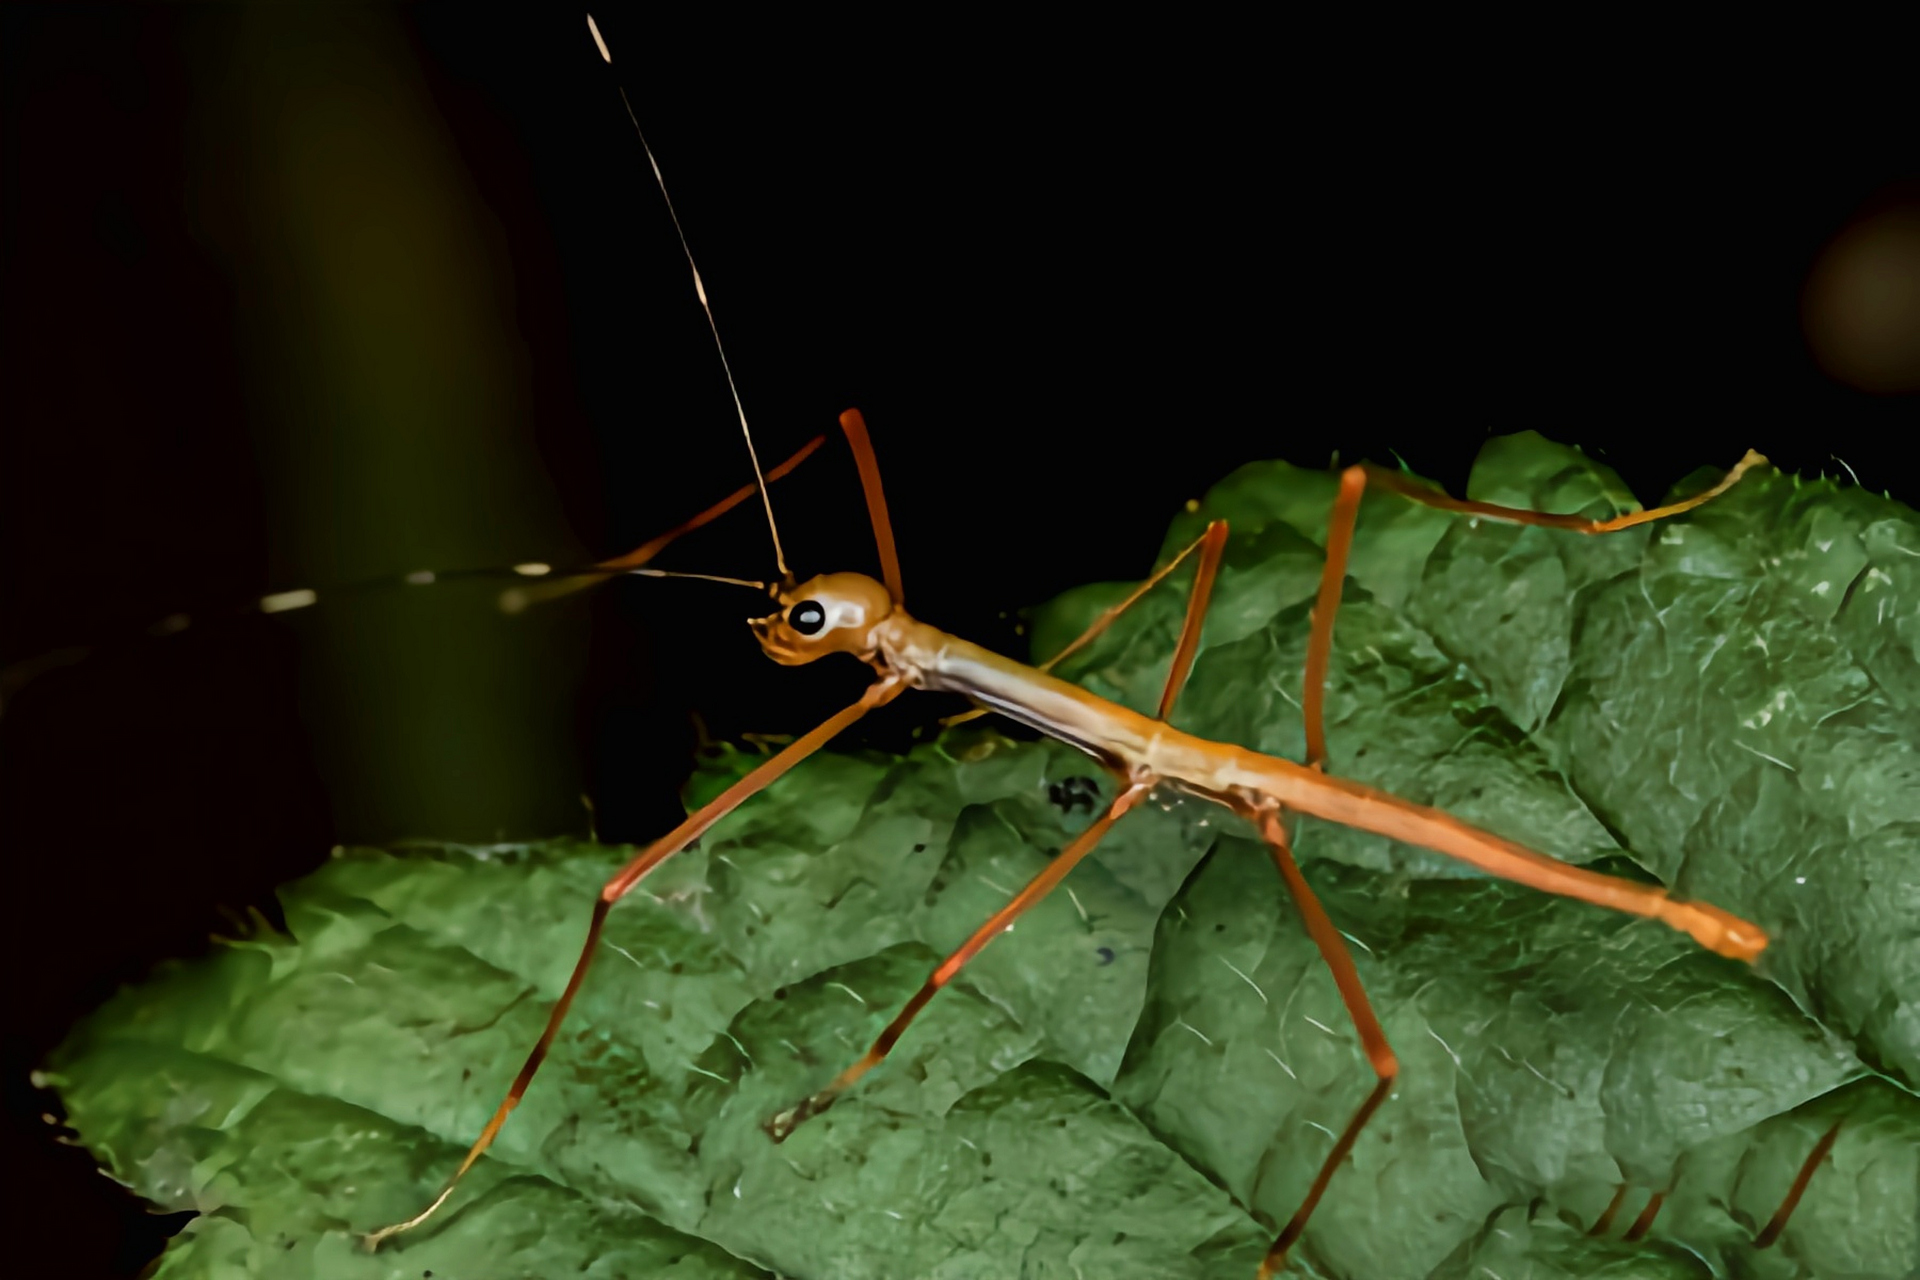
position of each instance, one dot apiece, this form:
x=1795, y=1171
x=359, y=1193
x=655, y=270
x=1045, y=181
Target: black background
x=1072, y=276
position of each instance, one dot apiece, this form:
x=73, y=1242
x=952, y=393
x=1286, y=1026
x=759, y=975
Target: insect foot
x=781, y=1124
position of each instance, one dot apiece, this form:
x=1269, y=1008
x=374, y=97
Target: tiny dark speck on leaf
x=1070, y=794
x=1106, y=955
x=919, y=848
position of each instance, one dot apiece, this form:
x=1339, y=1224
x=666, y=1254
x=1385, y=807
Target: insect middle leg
x=1214, y=538
x=1333, y=948
x=781, y=1124
x=1340, y=522
x=1137, y=783
x=1373, y=1039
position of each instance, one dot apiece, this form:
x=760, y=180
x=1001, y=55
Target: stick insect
x=865, y=618
x=884, y=447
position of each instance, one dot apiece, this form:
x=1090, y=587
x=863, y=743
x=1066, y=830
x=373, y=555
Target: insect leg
x=1333, y=576
x=516, y=599
x=1214, y=541
x=648, y=550
x=1778, y=1223
x=1607, y=1215
x=1353, y=483
x=783, y=1123
x=1644, y=1223
x=1769, y=1234
x=1420, y=493
x=618, y=887
x=1109, y=615
x=856, y=428
x=1333, y=949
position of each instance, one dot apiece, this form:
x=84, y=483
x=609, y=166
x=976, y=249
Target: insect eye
x=807, y=617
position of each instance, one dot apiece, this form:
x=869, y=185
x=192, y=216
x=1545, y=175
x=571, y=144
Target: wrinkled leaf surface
x=1143, y=1076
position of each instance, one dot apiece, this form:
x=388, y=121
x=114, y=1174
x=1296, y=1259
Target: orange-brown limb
x=647, y=550
x=1110, y=615
x=519, y=598
x=855, y=427
x=1333, y=576
x=1778, y=1223
x=781, y=1125
x=1213, y=542
x=618, y=887
x=1769, y=1234
x=1107, y=618
x=1644, y=1223
x=1548, y=520
x=1607, y=1215
x=1340, y=523
x=1373, y=1039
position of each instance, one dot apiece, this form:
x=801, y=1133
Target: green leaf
x=1548, y=1052
x=1143, y=1077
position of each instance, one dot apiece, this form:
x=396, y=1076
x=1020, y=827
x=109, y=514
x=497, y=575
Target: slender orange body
x=1247, y=782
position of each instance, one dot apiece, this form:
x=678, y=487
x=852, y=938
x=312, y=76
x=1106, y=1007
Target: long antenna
x=552, y=583
x=700, y=288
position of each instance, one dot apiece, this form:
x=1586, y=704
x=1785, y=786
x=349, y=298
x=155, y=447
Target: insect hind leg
x=1373, y=1039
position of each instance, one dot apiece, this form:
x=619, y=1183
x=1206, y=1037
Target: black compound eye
x=807, y=617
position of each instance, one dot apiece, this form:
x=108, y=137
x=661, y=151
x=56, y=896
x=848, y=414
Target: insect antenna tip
x=704, y=577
